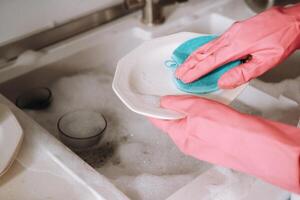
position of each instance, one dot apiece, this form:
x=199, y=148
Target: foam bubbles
x=149, y=187
x=142, y=159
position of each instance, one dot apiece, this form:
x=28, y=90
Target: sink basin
x=136, y=157
x=289, y=69
x=129, y=152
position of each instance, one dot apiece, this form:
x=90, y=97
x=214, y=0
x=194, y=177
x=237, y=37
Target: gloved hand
x=266, y=40
x=218, y=134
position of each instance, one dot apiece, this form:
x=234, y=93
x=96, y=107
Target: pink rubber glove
x=218, y=134
x=269, y=38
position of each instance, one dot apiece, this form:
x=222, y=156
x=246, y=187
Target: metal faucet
x=152, y=14
x=152, y=9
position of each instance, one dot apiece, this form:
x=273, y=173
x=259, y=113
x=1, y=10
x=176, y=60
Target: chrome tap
x=152, y=14
x=152, y=9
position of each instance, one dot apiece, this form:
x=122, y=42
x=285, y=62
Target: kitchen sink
x=79, y=72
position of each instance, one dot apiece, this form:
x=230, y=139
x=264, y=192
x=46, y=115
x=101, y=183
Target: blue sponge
x=207, y=83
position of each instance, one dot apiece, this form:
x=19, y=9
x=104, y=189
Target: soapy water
x=133, y=154
x=138, y=158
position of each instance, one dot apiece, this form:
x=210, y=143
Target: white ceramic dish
x=141, y=78
x=11, y=136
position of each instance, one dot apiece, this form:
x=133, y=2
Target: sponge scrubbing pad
x=205, y=84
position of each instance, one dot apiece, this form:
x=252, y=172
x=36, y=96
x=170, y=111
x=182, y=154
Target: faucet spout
x=152, y=9
x=152, y=13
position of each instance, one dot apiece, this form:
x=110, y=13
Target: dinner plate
x=11, y=136
x=141, y=78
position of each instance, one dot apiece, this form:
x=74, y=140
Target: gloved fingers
x=213, y=46
x=171, y=103
x=259, y=64
x=202, y=53
x=183, y=104
x=218, y=58
x=191, y=106
x=179, y=103
x=206, y=53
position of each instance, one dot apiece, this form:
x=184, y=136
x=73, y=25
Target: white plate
x=141, y=78
x=11, y=136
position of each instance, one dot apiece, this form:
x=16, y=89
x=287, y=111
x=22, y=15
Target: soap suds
x=139, y=159
x=133, y=154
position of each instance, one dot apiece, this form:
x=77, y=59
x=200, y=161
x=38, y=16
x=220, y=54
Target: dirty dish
x=141, y=78
x=11, y=137
x=81, y=128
